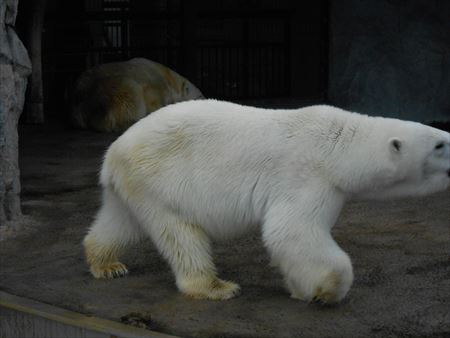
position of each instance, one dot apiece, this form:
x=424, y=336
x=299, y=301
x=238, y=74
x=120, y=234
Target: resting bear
x=113, y=96
x=207, y=170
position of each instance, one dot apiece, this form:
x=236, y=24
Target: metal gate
x=229, y=50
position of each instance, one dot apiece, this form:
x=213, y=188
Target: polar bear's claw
x=113, y=270
x=325, y=298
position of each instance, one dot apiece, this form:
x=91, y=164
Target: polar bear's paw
x=332, y=289
x=109, y=271
x=211, y=288
x=325, y=296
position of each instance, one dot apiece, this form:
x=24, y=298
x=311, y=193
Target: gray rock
x=15, y=66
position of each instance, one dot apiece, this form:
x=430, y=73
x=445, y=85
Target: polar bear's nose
x=448, y=172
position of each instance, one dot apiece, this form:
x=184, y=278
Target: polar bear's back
x=201, y=119
x=135, y=69
x=195, y=133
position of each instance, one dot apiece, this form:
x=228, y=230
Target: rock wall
x=15, y=67
x=391, y=58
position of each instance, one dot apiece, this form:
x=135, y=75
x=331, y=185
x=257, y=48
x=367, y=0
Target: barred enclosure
x=234, y=50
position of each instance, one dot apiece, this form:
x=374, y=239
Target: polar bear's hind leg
x=113, y=229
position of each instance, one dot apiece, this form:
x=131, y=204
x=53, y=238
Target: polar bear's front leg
x=323, y=272
x=187, y=249
x=314, y=267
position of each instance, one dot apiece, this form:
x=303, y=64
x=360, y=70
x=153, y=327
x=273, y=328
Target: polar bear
x=207, y=170
x=113, y=96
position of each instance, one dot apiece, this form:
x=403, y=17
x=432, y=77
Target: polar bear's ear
x=395, y=145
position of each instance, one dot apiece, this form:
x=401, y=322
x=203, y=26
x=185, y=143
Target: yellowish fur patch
x=147, y=160
x=118, y=106
x=211, y=288
x=153, y=97
x=328, y=292
x=102, y=259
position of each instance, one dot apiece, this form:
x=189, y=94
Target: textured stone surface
x=15, y=67
x=391, y=58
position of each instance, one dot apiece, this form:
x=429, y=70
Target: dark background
x=386, y=57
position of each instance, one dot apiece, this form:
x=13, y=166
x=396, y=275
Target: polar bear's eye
x=396, y=144
x=439, y=145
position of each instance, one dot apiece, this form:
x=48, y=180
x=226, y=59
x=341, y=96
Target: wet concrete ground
x=400, y=251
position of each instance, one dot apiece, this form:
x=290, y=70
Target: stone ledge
x=18, y=311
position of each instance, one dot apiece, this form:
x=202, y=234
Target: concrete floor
x=400, y=251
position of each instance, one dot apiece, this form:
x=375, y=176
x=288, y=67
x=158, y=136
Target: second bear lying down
x=113, y=96
x=209, y=170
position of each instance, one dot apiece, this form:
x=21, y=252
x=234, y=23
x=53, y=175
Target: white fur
x=202, y=170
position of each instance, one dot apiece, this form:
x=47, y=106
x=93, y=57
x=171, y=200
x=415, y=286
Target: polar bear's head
x=397, y=159
x=189, y=91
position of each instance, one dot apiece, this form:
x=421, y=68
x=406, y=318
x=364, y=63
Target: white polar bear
x=113, y=96
x=208, y=170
